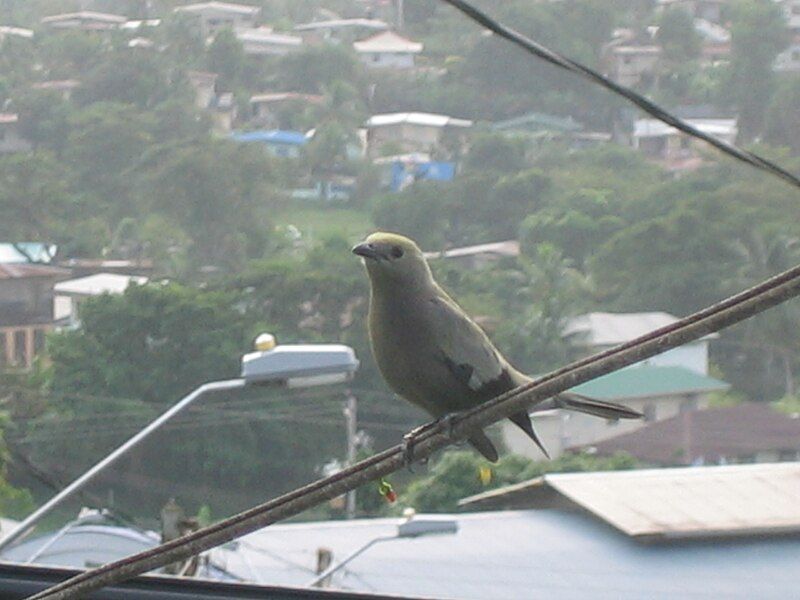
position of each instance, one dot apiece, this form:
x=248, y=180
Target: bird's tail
x=597, y=408
x=479, y=440
x=523, y=421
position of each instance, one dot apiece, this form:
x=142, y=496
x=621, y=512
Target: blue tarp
x=272, y=136
x=404, y=173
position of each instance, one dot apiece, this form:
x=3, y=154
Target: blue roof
x=272, y=136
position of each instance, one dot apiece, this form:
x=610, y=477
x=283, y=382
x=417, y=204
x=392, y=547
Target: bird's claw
x=443, y=424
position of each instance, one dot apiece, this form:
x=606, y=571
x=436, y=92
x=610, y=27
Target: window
x=19, y=348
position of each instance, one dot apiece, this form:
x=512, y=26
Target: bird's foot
x=443, y=424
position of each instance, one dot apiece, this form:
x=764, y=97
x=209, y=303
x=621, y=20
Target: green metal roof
x=538, y=122
x=645, y=381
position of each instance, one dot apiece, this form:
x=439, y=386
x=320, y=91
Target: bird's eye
x=396, y=252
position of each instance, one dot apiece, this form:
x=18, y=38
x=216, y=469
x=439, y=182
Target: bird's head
x=393, y=259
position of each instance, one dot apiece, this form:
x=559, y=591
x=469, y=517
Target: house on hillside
x=598, y=331
x=284, y=144
x=715, y=44
x=11, y=31
x=213, y=16
x=415, y=132
x=675, y=150
x=11, y=138
x=26, y=310
x=84, y=21
x=388, y=50
x=749, y=432
x=71, y=293
x=62, y=87
x=478, y=256
x=631, y=63
x=268, y=109
x=339, y=31
x=263, y=41
x=658, y=392
x=660, y=387
x=402, y=170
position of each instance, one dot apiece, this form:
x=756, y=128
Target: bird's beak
x=367, y=251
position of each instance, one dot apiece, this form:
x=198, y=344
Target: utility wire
x=728, y=312
x=647, y=105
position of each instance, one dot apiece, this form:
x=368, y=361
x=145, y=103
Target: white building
x=388, y=50
x=69, y=294
x=674, y=149
x=11, y=140
x=214, y=16
x=411, y=131
x=7, y=30
x=660, y=387
x=261, y=41
x=788, y=61
x=339, y=30
x=84, y=20
x=630, y=64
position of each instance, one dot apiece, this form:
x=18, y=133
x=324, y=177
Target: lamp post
x=411, y=528
x=299, y=365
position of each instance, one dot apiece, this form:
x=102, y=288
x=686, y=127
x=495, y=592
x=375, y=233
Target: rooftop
x=26, y=252
x=416, y=118
x=712, y=435
x=85, y=15
x=98, y=284
x=266, y=98
x=272, y=136
x=655, y=128
x=610, y=329
x=29, y=271
x=508, y=248
x=647, y=381
x=266, y=35
x=8, y=118
x=18, y=31
x=229, y=7
x=343, y=24
x=670, y=504
x=388, y=41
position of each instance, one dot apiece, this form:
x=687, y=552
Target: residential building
x=480, y=255
x=204, y=85
x=11, y=138
x=84, y=20
x=261, y=41
x=339, y=31
x=715, y=46
x=268, y=109
x=598, y=331
x=214, y=16
x=632, y=64
x=284, y=144
x=62, y=87
x=71, y=293
x=710, y=10
x=26, y=310
x=791, y=9
x=675, y=150
x=749, y=432
x=81, y=267
x=658, y=392
x=220, y=106
x=415, y=132
x=388, y=50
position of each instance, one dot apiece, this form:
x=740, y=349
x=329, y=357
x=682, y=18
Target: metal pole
x=351, y=414
x=330, y=571
x=36, y=516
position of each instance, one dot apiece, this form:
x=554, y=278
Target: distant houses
x=339, y=31
x=214, y=16
x=267, y=108
x=284, y=144
x=660, y=388
x=388, y=50
x=84, y=20
x=673, y=149
x=263, y=41
x=413, y=132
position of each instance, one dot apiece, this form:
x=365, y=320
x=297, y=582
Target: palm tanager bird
x=431, y=353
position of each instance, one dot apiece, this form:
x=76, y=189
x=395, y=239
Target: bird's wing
x=466, y=350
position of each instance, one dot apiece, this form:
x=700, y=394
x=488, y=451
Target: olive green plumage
x=430, y=351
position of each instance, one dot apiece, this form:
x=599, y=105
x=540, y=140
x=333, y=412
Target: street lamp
x=410, y=528
x=294, y=365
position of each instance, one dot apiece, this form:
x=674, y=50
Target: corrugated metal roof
x=645, y=381
x=85, y=15
x=229, y=7
x=29, y=271
x=655, y=128
x=508, y=248
x=343, y=24
x=504, y=555
x=692, y=502
x=416, y=118
x=388, y=41
x=712, y=435
x=610, y=329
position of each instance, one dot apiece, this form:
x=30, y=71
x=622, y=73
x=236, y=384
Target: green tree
x=496, y=153
x=226, y=58
x=783, y=115
x=758, y=34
